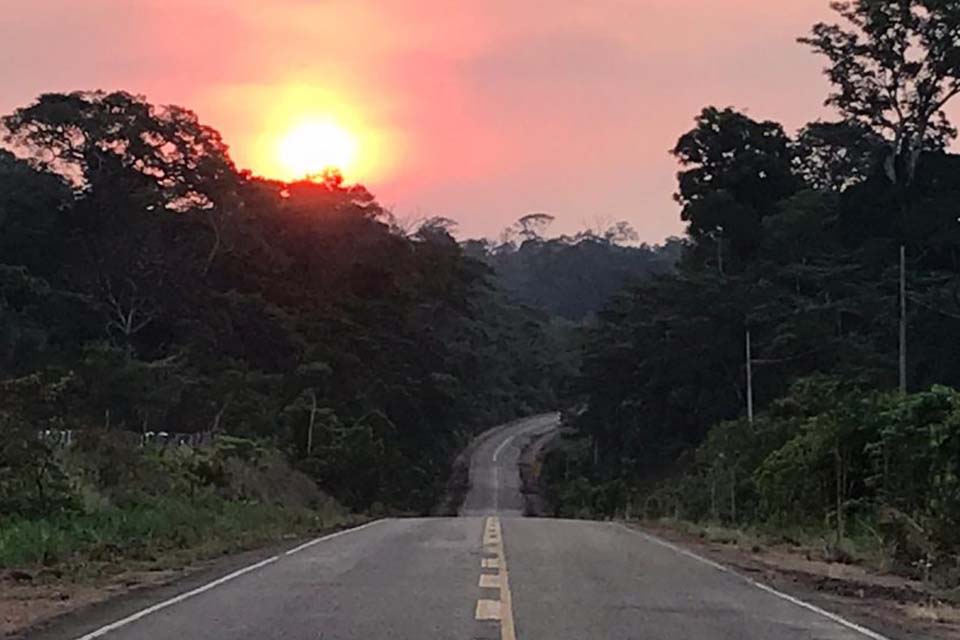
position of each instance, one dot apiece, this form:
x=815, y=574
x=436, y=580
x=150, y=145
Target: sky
x=480, y=111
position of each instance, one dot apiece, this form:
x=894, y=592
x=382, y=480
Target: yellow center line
x=501, y=610
x=489, y=581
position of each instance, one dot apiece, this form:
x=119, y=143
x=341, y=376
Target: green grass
x=160, y=532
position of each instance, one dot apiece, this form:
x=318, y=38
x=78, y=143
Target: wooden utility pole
x=749, y=380
x=719, y=235
x=313, y=420
x=903, y=319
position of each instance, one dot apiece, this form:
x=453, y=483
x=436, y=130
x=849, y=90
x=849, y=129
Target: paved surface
x=489, y=574
x=494, y=474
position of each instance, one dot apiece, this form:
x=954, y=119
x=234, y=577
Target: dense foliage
x=796, y=241
x=147, y=285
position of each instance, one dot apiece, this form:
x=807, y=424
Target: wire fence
x=64, y=438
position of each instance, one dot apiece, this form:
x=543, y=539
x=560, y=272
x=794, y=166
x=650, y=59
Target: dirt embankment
x=897, y=607
x=533, y=448
x=532, y=454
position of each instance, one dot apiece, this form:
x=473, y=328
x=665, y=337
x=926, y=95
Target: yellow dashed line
x=489, y=581
x=488, y=610
x=501, y=610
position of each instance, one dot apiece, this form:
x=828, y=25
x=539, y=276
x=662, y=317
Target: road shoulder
x=895, y=607
x=45, y=606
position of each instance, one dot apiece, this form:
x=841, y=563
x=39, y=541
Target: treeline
x=571, y=277
x=796, y=241
x=148, y=285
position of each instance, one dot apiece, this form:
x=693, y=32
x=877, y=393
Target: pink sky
x=480, y=111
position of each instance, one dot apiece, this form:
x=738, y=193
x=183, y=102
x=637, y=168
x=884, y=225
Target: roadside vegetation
x=795, y=241
x=108, y=503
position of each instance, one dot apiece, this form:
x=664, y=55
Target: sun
x=310, y=148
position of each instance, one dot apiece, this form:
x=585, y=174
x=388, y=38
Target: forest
x=187, y=347
x=763, y=384
x=150, y=291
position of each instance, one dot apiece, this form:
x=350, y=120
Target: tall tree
x=895, y=65
x=735, y=171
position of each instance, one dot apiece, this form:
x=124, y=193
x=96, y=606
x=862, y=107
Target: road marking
x=507, y=630
x=488, y=610
x=330, y=536
x=783, y=596
x=502, y=609
x=503, y=445
x=113, y=626
x=489, y=581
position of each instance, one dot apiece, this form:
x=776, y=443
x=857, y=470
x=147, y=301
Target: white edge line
x=113, y=626
x=503, y=445
x=784, y=596
x=329, y=536
x=531, y=428
x=176, y=599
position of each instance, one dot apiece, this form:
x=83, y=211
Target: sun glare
x=297, y=130
x=314, y=147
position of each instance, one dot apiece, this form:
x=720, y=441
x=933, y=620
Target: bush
x=147, y=531
x=142, y=502
x=868, y=473
x=32, y=479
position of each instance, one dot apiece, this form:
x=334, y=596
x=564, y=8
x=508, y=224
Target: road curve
x=494, y=470
x=489, y=574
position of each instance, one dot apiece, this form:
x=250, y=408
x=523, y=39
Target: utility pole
x=903, y=319
x=749, y=380
x=313, y=420
x=720, y=249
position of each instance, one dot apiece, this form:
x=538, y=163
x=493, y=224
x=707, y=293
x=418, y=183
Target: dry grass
x=936, y=612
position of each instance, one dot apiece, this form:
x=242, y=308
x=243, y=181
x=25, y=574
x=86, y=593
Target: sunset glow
x=480, y=111
x=294, y=129
x=314, y=147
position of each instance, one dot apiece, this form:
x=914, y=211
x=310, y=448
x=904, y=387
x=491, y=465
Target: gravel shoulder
x=894, y=606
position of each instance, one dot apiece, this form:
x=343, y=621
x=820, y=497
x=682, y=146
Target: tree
x=894, y=68
x=30, y=210
x=116, y=144
x=75, y=134
x=836, y=155
x=438, y=230
x=531, y=227
x=735, y=171
x=621, y=233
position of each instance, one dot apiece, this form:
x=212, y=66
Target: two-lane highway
x=489, y=574
x=494, y=471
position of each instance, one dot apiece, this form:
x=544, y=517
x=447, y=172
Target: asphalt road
x=487, y=574
x=494, y=475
